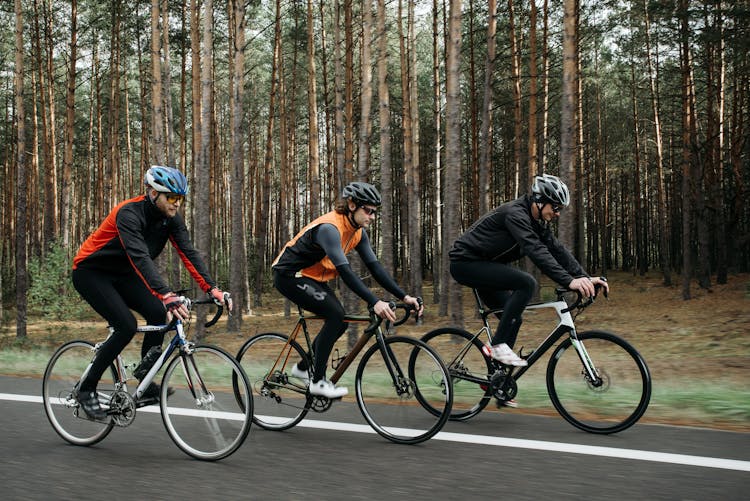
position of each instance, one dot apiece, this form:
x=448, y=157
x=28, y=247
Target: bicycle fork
x=394, y=369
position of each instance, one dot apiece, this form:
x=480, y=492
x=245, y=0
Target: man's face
x=163, y=203
x=363, y=216
x=550, y=212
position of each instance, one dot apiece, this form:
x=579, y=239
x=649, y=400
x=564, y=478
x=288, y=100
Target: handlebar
x=580, y=303
x=202, y=300
x=375, y=320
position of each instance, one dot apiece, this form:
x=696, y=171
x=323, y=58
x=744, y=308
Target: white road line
x=591, y=450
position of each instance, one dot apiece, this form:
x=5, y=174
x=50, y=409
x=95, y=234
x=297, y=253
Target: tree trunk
x=65, y=205
x=262, y=225
x=238, y=255
x=157, y=109
x=486, y=127
x=661, y=210
x=687, y=147
x=519, y=178
x=413, y=192
x=202, y=167
x=312, y=103
x=453, y=153
x=439, y=273
x=21, y=192
x=384, y=115
x=567, y=119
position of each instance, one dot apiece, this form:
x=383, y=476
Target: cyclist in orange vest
x=316, y=255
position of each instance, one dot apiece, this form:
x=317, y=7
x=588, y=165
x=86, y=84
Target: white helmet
x=550, y=189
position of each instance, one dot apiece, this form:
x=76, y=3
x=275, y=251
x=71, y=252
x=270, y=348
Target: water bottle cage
x=336, y=359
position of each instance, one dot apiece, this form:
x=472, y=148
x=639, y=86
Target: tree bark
x=567, y=118
x=312, y=103
x=65, y=205
x=453, y=153
x=20, y=119
x=238, y=256
x=384, y=118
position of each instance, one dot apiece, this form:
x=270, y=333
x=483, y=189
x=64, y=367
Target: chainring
x=122, y=408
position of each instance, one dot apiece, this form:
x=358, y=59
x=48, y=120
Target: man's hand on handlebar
x=220, y=297
x=587, y=286
x=384, y=311
x=175, y=306
x=416, y=303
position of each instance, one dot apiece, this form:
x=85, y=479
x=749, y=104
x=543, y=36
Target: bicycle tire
x=469, y=396
x=612, y=406
x=199, y=404
x=280, y=401
x=61, y=378
x=392, y=408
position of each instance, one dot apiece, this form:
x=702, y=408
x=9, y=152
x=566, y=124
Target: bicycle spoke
x=210, y=419
x=61, y=377
x=468, y=367
x=388, y=398
x=280, y=401
x=609, y=403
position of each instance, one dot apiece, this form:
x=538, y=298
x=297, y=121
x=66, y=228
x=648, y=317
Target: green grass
x=696, y=403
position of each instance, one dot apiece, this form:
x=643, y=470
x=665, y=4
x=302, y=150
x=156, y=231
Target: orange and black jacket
x=132, y=236
x=319, y=252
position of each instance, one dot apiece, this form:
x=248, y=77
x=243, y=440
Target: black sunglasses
x=556, y=208
x=368, y=210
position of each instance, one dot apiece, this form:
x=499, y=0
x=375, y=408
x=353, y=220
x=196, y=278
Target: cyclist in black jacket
x=480, y=257
x=114, y=272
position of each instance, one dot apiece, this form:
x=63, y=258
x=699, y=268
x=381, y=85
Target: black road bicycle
x=596, y=380
x=206, y=403
x=402, y=388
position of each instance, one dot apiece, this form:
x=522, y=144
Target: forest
x=450, y=107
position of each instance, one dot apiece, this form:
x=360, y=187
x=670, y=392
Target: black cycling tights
x=320, y=299
x=499, y=286
x=113, y=296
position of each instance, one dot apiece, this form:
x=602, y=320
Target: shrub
x=51, y=292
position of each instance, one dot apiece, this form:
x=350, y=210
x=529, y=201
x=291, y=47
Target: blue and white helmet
x=166, y=180
x=550, y=189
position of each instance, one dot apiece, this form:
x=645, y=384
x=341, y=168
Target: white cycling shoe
x=300, y=374
x=504, y=354
x=325, y=388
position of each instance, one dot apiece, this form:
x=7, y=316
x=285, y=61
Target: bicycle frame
x=347, y=360
x=178, y=341
x=565, y=325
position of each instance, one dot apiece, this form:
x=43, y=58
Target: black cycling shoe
x=89, y=402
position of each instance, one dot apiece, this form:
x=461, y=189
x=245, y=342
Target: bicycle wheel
x=280, y=400
x=461, y=352
x=613, y=402
x=387, y=385
x=204, y=416
x=61, y=378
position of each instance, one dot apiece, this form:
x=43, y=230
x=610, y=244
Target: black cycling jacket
x=509, y=232
x=132, y=236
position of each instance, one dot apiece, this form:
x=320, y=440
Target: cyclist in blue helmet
x=481, y=258
x=114, y=272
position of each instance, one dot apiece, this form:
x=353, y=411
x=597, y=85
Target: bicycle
x=597, y=381
x=205, y=400
x=388, y=377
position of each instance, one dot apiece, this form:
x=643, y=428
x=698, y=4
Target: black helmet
x=551, y=189
x=362, y=193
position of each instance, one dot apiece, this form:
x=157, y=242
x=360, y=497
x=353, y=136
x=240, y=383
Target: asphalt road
x=496, y=455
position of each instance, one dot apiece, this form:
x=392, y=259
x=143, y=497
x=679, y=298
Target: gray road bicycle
x=205, y=402
x=596, y=380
